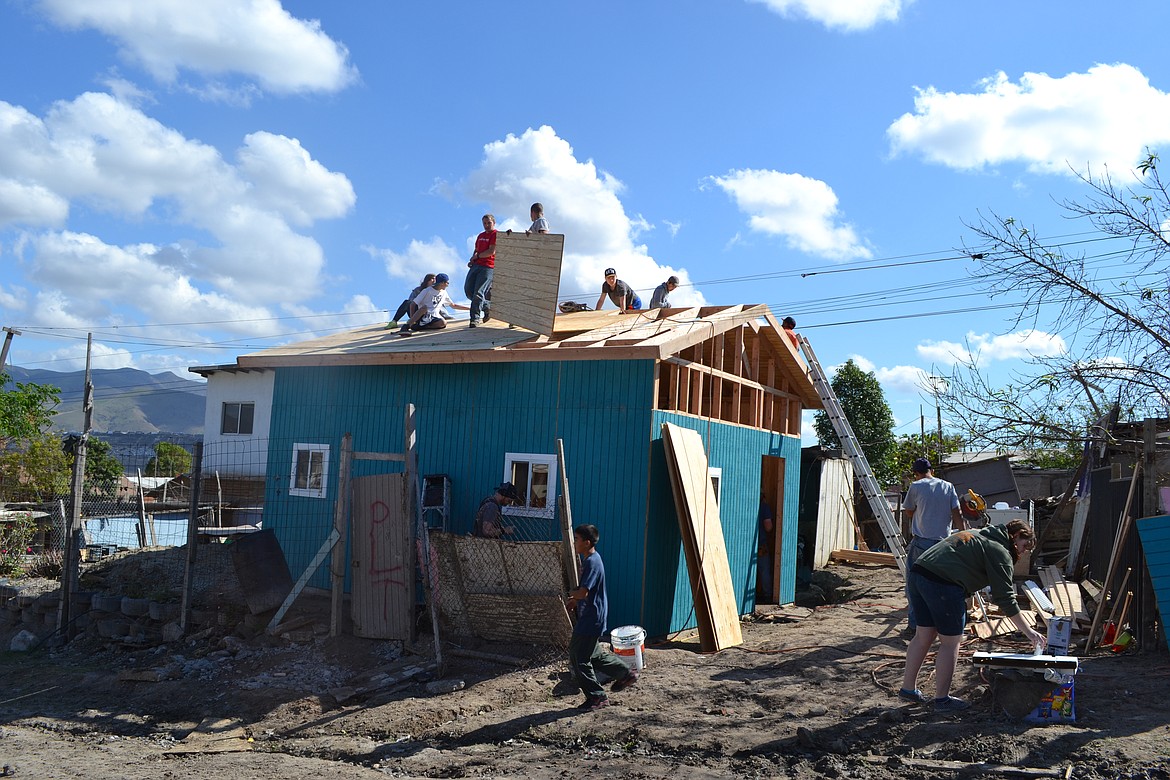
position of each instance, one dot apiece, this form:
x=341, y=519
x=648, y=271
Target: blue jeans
x=917, y=546
x=938, y=605
x=476, y=287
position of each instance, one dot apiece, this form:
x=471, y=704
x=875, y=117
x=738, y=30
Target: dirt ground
x=803, y=699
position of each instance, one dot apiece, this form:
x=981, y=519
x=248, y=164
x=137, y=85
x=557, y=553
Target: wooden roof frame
x=662, y=335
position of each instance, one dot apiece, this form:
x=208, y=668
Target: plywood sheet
x=527, y=279
x=383, y=559
x=703, y=543
x=836, y=515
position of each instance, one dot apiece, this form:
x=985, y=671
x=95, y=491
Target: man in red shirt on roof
x=481, y=267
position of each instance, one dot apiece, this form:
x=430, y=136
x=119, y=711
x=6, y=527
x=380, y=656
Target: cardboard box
x=1059, y=634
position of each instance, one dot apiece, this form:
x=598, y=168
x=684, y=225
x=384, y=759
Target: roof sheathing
x=649, y=335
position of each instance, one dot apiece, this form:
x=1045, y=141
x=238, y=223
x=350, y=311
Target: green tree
x=864, y=404
x=26, y=409
x=912, y=446
x=102, y=469
x=38, y=472
x=170, y=460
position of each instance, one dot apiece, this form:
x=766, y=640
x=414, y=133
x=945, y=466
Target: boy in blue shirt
x=586, y=656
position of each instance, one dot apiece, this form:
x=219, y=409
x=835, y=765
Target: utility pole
x=70, y=570
x=938, y=384
x=8, y=334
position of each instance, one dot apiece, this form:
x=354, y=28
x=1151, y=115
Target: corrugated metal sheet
x=1155, y=536
x=468, y=418
x=737, y=450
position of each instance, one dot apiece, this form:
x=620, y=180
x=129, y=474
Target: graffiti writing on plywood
x=386, y=576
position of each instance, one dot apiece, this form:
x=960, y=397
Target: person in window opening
x=539, y=223
x=481, y=268
x=622, y=295
x=489, y=519
x=407, y=307
x=660, y=298
x=590, y=604
x=939, y=583
x=430, y=302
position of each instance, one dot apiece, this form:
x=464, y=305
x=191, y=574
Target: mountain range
x=125, y=399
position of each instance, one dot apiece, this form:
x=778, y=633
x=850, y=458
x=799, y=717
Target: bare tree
x=1110, y=303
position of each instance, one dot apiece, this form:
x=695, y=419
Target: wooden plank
x=568, y=552
x=306, y=575
x=998, y=626
x=526, y=279
x=1080, y=520
x=382, y=604
x=341, y=528
x=859, y=556
x=706, y=553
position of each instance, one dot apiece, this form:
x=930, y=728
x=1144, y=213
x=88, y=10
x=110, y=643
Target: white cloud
x=846, y=15
x=109, y=155
x=255, y=38
x=421, y=258
x=984, y=347
x=802, y=210
x=672, y=227
x=579, y=201
x=1106, y=116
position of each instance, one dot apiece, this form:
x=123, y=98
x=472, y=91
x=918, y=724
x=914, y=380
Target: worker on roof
x=622, y=295
x=539, y=223
x=481, y=267
x=429, y=312
x=659, y=299
x=408, y=306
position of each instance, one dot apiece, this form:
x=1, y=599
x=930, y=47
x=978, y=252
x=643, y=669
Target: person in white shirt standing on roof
x=933, y=506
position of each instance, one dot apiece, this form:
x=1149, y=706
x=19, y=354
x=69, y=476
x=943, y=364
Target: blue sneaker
x=916, y=696
x=950, y=704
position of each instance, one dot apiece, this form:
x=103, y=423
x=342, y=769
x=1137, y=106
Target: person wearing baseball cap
x=933, y=507
x=430, y=303
x=622, y=295
x=489, y=519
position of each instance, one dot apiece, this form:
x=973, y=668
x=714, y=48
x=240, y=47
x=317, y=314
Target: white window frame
x=309, y=492
x=240, y=404
x=715, y=474
x=550, y=503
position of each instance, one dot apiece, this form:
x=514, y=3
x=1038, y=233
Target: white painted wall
x=236, y=455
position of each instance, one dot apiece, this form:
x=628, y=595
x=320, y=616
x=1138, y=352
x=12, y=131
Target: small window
x=716, y=475
x=310, y=469
x=237, y=418
x=535, y=479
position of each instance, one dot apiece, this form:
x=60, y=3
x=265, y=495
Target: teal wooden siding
x=737, y=450
x=1155, y=535
x=468, y=417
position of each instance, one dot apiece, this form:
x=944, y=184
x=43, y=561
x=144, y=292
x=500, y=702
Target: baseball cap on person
x=440, y=278
x=508, y=490
x=921, y=466
x=610, y=272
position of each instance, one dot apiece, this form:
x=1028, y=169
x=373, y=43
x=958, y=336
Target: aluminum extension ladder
x=891, y=530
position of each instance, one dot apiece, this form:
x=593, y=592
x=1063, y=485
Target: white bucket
x=628, y=643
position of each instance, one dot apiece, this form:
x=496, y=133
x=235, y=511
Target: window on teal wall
x=535, y=478
x=310, y=467
x=716, y=475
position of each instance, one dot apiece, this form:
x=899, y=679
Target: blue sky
x=192, y=181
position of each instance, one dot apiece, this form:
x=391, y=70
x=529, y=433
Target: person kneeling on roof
x=430, y=302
